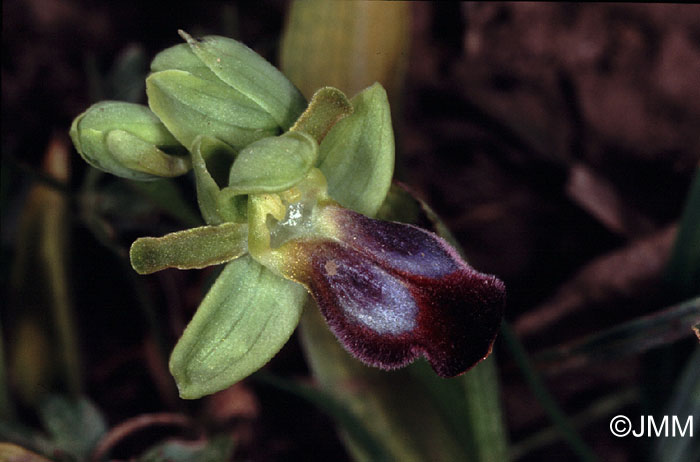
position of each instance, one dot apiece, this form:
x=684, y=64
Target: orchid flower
x=293, y=217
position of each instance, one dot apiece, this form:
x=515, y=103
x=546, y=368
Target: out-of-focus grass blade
x=546, y=400
x=40, y=307
x=596, y=411
x=329, y=404
x=629, y=338
x=683, y=270
x=684, y=402
x=13, y=453
x=6, y=409
x=347, y=45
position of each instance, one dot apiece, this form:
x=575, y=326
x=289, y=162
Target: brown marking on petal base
x=331, y=268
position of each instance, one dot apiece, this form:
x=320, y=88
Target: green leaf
x=190, y=106
x=273, y=164
x=683, y=270
x=75, y=425
x=628, y=338
x=554, y=412
x=247, y=316
x=248, y=72
x=217, y=449
x=470, y=406
x=684, y=401
x=357, y=155
x=215, y=208
x=391, y=405
x=126, y=140
x=327, y=107
x=487, y=436
x=190, y=249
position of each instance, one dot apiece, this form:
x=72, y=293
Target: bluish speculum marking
x=371, y=297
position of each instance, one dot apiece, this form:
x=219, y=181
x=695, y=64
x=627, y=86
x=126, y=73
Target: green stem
x=489, y=440
x=539, y=389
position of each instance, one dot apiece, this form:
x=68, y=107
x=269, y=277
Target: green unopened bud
x=190, y=105
x=243, y=69
x=127, y=140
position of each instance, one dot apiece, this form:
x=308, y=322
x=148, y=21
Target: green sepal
x=273, y=164
x=328, y=105
x=127, y=140
x=216, y=207
x=190, y=106
x=244, y=320
x=182, y=58
x=357, y=155
x=248, y=72
x=189, y=249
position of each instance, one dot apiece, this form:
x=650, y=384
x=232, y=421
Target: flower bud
x=190, y=105
x=223, y=89
x=243, y=69
x=127, y=140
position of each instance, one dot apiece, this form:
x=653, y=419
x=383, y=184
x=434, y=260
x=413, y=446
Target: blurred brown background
x=558, y=141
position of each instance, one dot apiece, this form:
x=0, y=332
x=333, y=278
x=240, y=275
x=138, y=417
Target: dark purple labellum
x=392, y=292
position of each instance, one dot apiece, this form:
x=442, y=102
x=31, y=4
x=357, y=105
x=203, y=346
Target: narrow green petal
x=273, y=164
x=327, y=107
x=140, y=156
x=190, y=105
x=357, y=155
x=215, y=209
x=189, y=249
x=248, y=72
x=245, y=319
